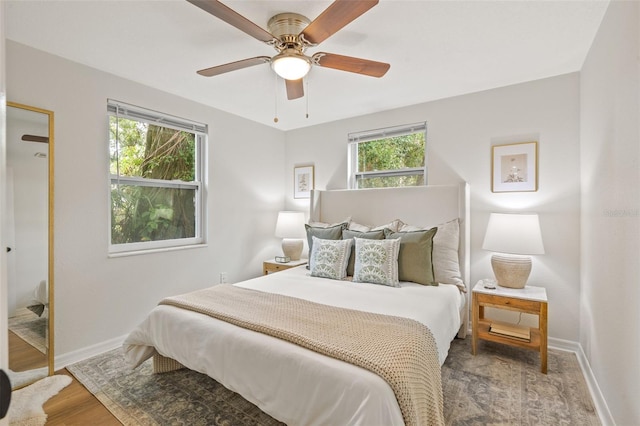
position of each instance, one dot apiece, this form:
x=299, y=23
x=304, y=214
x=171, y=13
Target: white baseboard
x=61, y=361
x=598, y=399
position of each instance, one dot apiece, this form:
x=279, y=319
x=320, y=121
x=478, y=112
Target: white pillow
x=377, y=261
x=358, y=227
x=329, y=225
x=394, y=225
x=329, y=258
x=446, y=265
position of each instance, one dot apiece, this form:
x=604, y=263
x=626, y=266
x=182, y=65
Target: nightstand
x=272, y=266
x=530, y=299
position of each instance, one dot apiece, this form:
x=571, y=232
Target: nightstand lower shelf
x=484, y=334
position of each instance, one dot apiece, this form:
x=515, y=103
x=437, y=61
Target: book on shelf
x=513, y=331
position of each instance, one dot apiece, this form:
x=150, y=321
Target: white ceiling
x=436, y=49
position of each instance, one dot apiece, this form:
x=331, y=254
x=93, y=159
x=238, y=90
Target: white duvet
x=296, y=385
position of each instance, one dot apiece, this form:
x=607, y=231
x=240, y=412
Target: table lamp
x=517, y=235
x=290, y=227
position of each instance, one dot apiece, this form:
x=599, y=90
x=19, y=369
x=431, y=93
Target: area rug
x=501, y=385
x=26, y=404
x=21, y=378
x=30, y=327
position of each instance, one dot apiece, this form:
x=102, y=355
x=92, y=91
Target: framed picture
x=302, y=181
x=514, y=167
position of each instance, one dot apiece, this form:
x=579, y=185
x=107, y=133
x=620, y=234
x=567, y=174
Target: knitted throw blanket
x=400, y=350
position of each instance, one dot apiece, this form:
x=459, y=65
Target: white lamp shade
x=290, y=225
x=513, y=233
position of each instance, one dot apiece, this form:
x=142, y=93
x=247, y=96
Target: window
x=394, y=156
x=156, y=179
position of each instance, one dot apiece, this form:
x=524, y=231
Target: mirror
x=29, y=225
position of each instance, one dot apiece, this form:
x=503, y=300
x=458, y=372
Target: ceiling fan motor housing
x=286, y=27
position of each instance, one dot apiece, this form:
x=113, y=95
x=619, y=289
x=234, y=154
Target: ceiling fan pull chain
x=307, y=97
x=275, y=98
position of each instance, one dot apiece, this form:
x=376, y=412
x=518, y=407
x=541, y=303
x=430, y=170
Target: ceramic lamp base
x=292, y=248
x=511, y=271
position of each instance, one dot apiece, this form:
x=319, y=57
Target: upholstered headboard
x=417, y=205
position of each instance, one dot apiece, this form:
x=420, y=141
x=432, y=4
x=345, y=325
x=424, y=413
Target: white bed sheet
x=293, y=384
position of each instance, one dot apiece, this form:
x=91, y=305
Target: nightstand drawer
x=502, y=302
x=275, y=268
x=271, y=266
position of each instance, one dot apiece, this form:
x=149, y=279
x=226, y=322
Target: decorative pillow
x=446, y=262
x=377, y=261
x=327, y=233
x=355, y=226
x=415, y=257
x=394, y=225
x=348, y=234
x=329, y=258
x=329, y=225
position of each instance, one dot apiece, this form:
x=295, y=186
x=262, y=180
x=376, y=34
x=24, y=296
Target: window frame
x=354, y=139
x=131, y=112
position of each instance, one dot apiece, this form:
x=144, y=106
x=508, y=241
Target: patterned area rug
x=30, y=327
x=501, y=385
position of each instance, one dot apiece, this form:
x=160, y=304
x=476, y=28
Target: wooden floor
x=23, y=356
x=74, y=405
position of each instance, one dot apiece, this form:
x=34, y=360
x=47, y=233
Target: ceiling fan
x=291, y=34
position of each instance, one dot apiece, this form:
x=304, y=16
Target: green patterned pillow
x=329, y=258
x=415, y=258
x=377, y=261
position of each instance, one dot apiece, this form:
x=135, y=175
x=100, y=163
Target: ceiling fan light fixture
x=291, y=65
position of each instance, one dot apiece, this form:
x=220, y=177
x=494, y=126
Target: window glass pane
x=150, y=151
x=145, y=213
x=392, y=153
x=390, y=181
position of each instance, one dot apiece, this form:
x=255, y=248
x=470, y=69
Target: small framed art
x=514, y=167
x=302, y=181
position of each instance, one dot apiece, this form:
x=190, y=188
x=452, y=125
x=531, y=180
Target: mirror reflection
x=29, y=148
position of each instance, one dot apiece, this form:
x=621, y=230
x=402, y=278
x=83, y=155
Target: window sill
x=156, y=250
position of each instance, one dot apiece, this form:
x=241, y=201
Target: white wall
x=610, y=153
x=460, y=132
x=99, y=298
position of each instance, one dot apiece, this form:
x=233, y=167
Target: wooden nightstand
x=272, y=266
x=531, y=300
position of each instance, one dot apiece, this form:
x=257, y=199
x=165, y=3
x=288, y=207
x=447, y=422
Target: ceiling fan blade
x=34, y=138
x=232, y=17
x=232, y=66
x=336, y=16
x=351, y=64
x=295, y=89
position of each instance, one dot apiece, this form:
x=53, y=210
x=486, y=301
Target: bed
x=290, y=382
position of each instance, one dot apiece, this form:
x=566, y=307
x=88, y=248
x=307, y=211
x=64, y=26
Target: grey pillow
x=415, y=257
x=328, y=233
x=348, y=234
